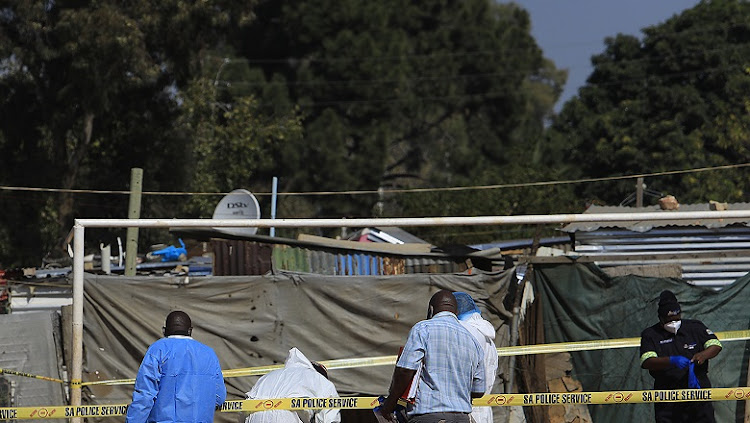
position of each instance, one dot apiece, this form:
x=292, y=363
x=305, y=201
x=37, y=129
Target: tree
x=233, y=141
x=89, y=90
x=399, y=94
x=677, y=99
x=388, y=95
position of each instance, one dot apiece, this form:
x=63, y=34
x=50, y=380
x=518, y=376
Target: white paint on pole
x=414, y=221
x=274, y=197
x=77, y=365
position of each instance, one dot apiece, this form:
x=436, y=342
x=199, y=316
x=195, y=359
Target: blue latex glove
x=376, y=410
x=692, y=379
x=399, y=412
x=679, y=361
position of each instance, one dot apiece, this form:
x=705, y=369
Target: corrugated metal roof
x=524, y=243
x=647, y=225
x=312, y=242
x=366, y=246
x=25, y=297
x=393, y=231
x=723, y=251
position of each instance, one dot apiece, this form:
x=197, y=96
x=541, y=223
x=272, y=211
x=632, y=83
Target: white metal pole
x=415, y=221
x=76, y=366
x=274, y=195
x=106, y=255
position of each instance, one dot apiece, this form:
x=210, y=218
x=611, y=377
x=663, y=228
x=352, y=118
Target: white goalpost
x=81, y=224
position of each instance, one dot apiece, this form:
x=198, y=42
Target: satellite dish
x=238, y=204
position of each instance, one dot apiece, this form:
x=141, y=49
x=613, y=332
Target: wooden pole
x=639, y=192
x=134, y=212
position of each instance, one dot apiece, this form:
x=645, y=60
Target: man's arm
x=221, y=388
x=707, y=354
x=657, y=363
x=400, y=381
x=711, y=345
x=650, y=359
x=412, y=355
x=145, y=391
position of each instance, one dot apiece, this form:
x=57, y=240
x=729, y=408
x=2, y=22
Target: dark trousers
x=684, y=412
x=440, y=418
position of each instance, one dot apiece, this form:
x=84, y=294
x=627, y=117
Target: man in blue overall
x=179, y=380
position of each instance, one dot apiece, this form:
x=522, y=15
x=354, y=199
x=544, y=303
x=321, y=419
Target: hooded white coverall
x=298, y=379
x=484, y=333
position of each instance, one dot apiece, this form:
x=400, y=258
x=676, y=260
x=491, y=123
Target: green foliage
x=402, y=94
x=677, y=99
x=87, y=91
x=326, y=95
x=233, y=141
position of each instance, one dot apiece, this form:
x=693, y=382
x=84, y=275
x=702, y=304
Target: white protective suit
x=484, y=333
x=298, y=379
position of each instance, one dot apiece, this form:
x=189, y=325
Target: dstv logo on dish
x=237, y=205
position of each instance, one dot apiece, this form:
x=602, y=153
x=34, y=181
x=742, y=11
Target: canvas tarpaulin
x=255, y=320
x=28, y=344
x=580, y=303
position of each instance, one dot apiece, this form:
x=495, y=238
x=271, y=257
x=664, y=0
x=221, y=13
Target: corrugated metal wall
x=724, y=252
x=299, y=259
x=233, y=257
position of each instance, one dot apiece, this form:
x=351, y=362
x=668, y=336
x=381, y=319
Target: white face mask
x=673, y=326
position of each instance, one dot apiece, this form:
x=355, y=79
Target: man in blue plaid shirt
x=452, y=367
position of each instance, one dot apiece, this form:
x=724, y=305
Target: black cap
x=668, y=304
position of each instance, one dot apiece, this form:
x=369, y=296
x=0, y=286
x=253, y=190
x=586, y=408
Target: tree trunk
x=70, y=178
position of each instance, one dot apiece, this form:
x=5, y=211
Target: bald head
x=443, y=300
x=320, y=368
x=178, y=323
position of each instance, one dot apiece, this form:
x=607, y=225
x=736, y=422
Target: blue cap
x=466, y=305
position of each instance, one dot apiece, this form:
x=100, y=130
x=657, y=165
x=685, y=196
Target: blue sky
x=571, y=31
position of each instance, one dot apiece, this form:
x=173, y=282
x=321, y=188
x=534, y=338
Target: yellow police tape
x=496, y=400
x=13, y=372
x=347, y=363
